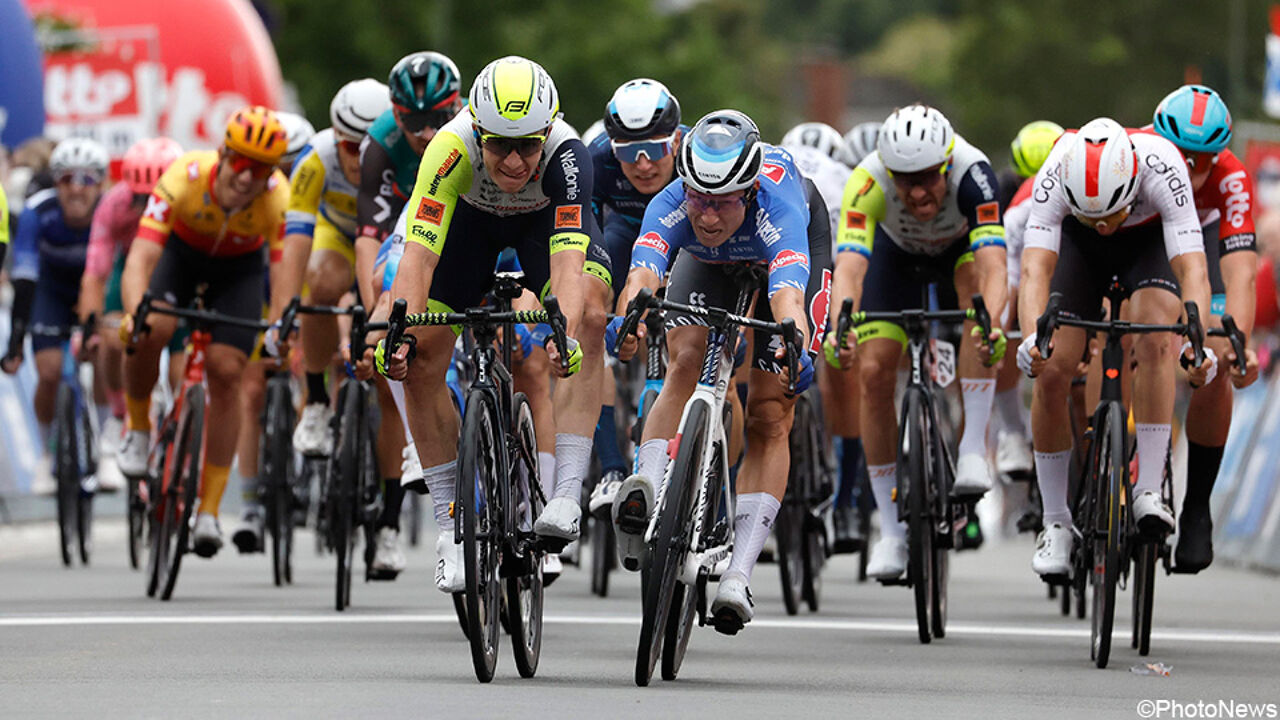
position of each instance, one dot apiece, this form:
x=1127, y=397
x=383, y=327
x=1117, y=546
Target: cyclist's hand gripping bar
x=1046, y=324
x=556, y=320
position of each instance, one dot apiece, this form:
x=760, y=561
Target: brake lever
x=635, y=309
x=1046, y=324
x=555, y=319
x=793, y=355
x=1195, y=332
x=1236, y=337
x=844, y=322
x=983, y=319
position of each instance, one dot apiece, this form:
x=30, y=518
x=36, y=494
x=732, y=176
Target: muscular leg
x=225, y=367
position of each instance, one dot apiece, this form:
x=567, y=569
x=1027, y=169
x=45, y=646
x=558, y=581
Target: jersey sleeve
x=977, y=200
x=157, y=219
x=569, y=185
x=26, y=247
x=1048, y=207
x=102, y=234
x=375, y=197
x=1164, y=182
x=662, y=230
x=1235, y=205
x=860, y=209
x=783, y=228
x=306, y=189
x=598, y=197
x=444, y=175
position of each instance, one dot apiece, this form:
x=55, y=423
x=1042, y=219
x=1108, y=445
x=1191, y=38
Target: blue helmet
x=1194, y=118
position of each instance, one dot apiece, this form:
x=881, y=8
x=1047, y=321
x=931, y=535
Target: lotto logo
x=653, y=241
x=569, y=216
x=430, y=211
x=988, y=213
x=855, y=220
x=788, y=257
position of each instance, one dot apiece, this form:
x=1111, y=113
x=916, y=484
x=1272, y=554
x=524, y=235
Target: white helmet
x=861, y=141
x=298, y=131
x=356, y=106
x=514, y=97
x=79, y=154
x=915, y=138
x=1099, y=170
x=594, y=131
x=723, y=153
x=819, y=136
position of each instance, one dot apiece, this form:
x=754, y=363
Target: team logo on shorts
x=430, y=211
x=653, y=241
x=989, y=212
x=569, y=216
x=788, y=257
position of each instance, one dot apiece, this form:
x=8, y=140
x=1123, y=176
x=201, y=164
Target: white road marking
x=956, y=628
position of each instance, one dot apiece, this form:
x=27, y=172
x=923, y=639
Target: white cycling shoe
x=888, y=558
x=388, y=558
x=450, y=577
x=411, y=470
x=632, y=504
x=247, y=537
x=1052, y=559
x=1013, y=455
x=1152, y=515
x=732, y=608
x=206, y=539
x=561, y=518
x=973, y=476
x=313, y=436
x=42, y=482
x=604, y=493
x=131, y=457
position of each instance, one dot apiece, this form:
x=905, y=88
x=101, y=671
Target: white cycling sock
x=1053, y=473
x=1008, y=405
x=442, y=482
x=397, y=396
x=977, y=394
x=46, y=429
x=104, y=413
x=573, y=457
x=752, y=523
x=1153, y=448
x=651, y=460
x=547, y=473
x=884, y=478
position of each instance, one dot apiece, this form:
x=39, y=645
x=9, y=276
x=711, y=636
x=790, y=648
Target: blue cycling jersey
x=775, y=230
x=45, y=248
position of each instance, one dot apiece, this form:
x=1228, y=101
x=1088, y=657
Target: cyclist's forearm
x=143, y=257
x=24, y=292
x=638, y=279
x=93, y=290
x=1033, y=291
x=1240, y=275
x=366, y=253
x=1193, y=277
x=566, y=284
x=287, y=275
x=850, y=271
x=413, y=278
x=993, y=280
x=789, y=303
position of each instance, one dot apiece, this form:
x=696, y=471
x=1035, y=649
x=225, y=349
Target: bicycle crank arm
x=713, y=561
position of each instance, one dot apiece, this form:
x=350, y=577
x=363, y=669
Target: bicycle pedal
x=1057, y=579
x=726, y=622
x=381, y=575
x=901, y=580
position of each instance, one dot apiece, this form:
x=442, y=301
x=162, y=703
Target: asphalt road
x=86, y=642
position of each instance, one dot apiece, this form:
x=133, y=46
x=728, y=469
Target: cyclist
x=206, y=224
x=1196, y=120
x=633, y=159
x=320, y=231
x=737, y=200
x=1029, y=149
x=861, y=141
x=115, y=224
x=299, y=131
x=819, y=152
x=1128, y=196
x=508, y=172
x=922, y=209
x=48, y=260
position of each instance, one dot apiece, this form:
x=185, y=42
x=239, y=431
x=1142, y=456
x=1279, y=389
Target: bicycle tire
x=84, y=524
x=940, y=556
x=87, y=455
x=135, y=513
x=815, y=550
x=788, y=527
x=343, y=471
x=685, y=597
x=1111, y=477
x=185, y=482
x=1146, y=559
x=460, y=609
x=277, y=452
x=525, y=591
x=479, y=469
x=603, y=555
x=157, y=476
x=66, y=472
x=913, y=463
x=664, y=557
x=1064, y=602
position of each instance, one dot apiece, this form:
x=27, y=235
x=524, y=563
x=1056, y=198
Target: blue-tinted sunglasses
x=654, y=149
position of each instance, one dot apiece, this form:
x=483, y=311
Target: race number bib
x=944, y=362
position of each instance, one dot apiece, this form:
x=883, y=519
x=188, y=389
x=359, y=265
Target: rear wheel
x=525, y=591
x=277, y=471
x=479, y=470
x=184, y=482
x=944, y=537
x=136, y=514
x=1108, y=528
x=789, y=527
x=669, y=542
x=341, y=502
x=914, y=458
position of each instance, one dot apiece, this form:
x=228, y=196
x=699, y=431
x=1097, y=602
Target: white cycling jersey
x=828, y=175
x=1164, y=191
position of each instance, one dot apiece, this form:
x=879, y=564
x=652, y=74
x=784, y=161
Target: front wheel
x=66, y=472
x=184, y=483
x=277, y=471
x=525, y=590
x=914, y=456
x=479, y=471
x=1146, y=559
x=1110, y=474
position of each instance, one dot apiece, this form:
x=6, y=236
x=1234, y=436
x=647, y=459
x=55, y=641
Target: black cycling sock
x=393, y=498
x=852, y=466
x=606, y=442
x=317, y=389
x=1203, y=462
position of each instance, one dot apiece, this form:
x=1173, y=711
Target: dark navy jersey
x=45, y=244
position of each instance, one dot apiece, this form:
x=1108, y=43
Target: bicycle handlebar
x=199, y=316
x=978, y=313
x=1235, y=336
x=1052, y=319
x=400, y=320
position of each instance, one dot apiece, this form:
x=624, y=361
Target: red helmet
x=146, y=161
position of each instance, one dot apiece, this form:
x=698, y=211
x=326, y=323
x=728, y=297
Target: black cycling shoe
x=1195, y=541
x=849, y=537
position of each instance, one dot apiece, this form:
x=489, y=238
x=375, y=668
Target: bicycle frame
x=193, y=374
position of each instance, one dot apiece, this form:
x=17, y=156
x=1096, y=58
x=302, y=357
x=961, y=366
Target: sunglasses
x=416, y=122
x=527, y=146
x=1199, y=160
x=81, y=178
x=702, y=202
x=925, y=177
x=240, y=163
x=654, y=149
x=352, y=147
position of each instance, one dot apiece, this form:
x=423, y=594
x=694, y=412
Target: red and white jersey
x=1227, y=196
x=1164, y=192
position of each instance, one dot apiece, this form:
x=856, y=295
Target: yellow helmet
x=1032, y=144
x=257, y=133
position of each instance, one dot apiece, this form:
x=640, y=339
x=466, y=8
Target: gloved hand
x=1210, y=365
x=804, y=378
x=524, y=343
x=1024, y=354
x=998, y=346
x=611, y=336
